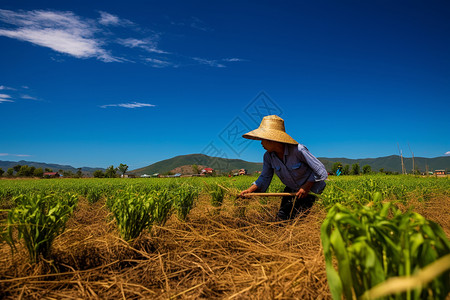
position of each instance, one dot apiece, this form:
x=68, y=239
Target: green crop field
x=181, y=238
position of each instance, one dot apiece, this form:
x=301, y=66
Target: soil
x=217, y=253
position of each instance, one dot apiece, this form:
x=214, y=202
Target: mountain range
x=388, y=163
x=5, y=165
x=217, y=163
x=393, y=163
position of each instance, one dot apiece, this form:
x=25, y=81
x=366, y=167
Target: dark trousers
x=288, y=210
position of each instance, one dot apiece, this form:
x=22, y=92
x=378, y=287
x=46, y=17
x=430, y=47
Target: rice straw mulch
x=218, y=253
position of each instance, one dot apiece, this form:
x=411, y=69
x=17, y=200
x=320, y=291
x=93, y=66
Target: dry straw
x=208, y=256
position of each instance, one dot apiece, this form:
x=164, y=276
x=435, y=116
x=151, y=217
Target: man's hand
x=304, y=190
x=248, y=191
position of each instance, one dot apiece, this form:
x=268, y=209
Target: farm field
x=201, y=243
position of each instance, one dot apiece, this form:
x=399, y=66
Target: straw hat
x=272, y=129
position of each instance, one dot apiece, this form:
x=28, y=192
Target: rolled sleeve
x=265, y=178
x=319, y=171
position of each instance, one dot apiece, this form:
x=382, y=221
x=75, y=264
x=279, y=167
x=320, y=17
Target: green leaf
x=340, y=250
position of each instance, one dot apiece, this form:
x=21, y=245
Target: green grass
x=360, y=188
x=371, y=240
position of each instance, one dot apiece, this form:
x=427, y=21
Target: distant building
x=439, y=172
x=170, y=176
x=145, y=176
x=242, y=172
x=51, y=175
x=209, y=171
x=128, y=176
x=173, y=175
x=239, y=172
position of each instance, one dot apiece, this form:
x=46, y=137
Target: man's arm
x=263, y=181
x=251, y=189
x=320, y=173
x=304, y=189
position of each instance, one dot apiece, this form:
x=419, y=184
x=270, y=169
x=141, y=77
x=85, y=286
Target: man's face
x=270, y=146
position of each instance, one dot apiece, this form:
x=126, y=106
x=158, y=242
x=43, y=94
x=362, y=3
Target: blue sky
x=99, y=83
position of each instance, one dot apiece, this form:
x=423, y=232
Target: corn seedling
x=217, y=194
x=133, y=213
x=163, y=206
x=372, y=245
x=39, y=219
x=185, y=198
x=93, y=195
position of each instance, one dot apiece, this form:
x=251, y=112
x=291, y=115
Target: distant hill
x=5, y=165
x=393, y=163
x=187, y=169
x=388, y=163
x=217, y=163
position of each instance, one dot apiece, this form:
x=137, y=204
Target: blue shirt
x=297, y=167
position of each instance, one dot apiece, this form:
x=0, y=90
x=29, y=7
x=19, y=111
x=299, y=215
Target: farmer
x=297, y=168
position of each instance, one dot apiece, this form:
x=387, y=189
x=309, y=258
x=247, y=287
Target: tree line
x=30, y=171
x=111, y=172
x=355, y=169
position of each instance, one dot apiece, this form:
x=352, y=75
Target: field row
x=338, y=189
x=364, y=229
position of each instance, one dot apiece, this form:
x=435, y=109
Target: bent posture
x=297, y=168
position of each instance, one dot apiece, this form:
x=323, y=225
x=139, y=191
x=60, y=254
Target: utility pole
x=401, y=157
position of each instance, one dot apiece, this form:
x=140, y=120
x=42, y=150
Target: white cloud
x=157, y=63
x=132, y=43
x=80, y=37
x=6, y=88
x=212, y=63
x=129, y=105
x=63, y=32
x=447, y=153
x=20, y=155
x=28, y=97
x=233, y=59
x=108, y=19
x=148, y=44
x=60, y=41
x=5, y=98
x=15, y=93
